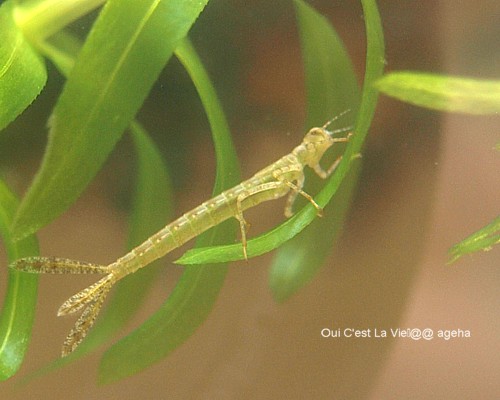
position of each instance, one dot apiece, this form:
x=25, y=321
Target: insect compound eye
x=316, y=135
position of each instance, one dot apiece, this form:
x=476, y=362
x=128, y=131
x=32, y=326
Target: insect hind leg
x=274, y=189
x=293, y=194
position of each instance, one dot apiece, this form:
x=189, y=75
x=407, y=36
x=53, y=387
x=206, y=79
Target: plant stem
x=40, y=19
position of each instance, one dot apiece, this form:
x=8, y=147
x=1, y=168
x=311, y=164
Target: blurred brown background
x=429, y=180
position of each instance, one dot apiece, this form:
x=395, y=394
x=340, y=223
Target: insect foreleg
x=325, y=174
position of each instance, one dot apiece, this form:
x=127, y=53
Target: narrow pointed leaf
x=22, y=71
x=40, y=19
x=104, y=91
x=194, y=295
x=279, y=235
x=484, y=239
x=443, y=93
x=331, y=89
x=294, y=266
x=18, y=312
x=152, y=208
x=331, y=83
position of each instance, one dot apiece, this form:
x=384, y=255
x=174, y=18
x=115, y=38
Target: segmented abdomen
x=197, y=221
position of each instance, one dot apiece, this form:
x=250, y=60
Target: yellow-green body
x=285, y=176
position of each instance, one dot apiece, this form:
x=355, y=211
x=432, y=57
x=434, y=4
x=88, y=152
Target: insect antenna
x=345, y=129
x=335, y=118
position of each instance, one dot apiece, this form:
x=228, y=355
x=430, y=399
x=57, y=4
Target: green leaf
x=18, y=312
x=374, y=67
x=62, y=49
x=331, y=83
x=295, y=266
x=40, y=19
x=198, y=288
x=152, y=208
x=22, y=72
x=331, y=89
x=483, y=239
x=105, y=89
x=279, y=235
x=443, y=93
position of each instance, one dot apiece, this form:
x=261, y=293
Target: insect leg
x=293, y=193
x=325, y=174
x=296, y=189
x=275, y=190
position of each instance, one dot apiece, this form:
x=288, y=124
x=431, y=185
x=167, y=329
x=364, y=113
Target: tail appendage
x=89, y=299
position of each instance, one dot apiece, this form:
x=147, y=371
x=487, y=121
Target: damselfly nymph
x=283, y=177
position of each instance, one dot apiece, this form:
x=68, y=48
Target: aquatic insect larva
x=283, y=177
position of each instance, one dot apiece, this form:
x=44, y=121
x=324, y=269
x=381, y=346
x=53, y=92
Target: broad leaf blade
x=22, y=72
x=107, y=85
x=272, y=239
x=331, y=89
x=443, y=93
x=18, y=312
x=198, y=288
